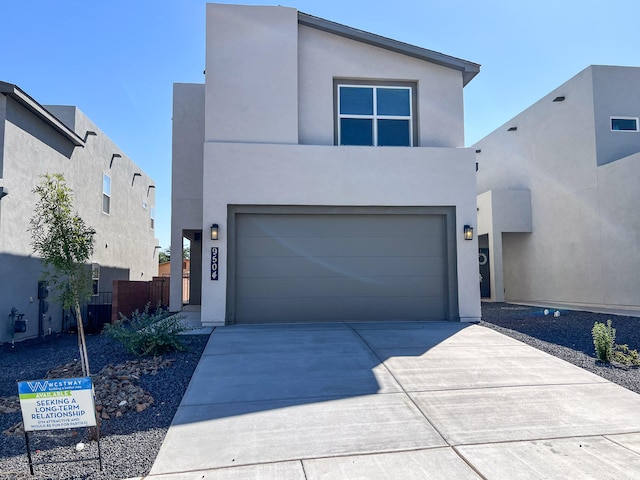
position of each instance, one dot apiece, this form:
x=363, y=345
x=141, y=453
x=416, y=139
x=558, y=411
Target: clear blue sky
x=117, y=59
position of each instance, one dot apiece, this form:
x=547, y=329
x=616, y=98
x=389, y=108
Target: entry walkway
x=397, y=401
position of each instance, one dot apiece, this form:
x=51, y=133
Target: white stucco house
x=558, y=196
x=111, y=194
x=331, y=162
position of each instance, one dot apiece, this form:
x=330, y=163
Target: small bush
x=149, y=333
x=604, y=338
x=623, y=354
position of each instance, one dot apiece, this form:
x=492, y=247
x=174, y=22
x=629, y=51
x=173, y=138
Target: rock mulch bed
x=117, y=388
x=136, y=401
x=567, y=336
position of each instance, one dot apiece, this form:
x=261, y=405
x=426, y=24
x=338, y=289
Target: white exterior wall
x=268, y=126
x=124, y=239
x=576, y=255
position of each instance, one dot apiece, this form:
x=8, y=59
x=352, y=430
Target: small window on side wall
x=95, y=279
x=153, y=218
x=106, y=194
x=375, y=115
x=624, y=124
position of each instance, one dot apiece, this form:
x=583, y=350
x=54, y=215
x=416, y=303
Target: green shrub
x=149, y=333
x=604, y=338
x=623, y=354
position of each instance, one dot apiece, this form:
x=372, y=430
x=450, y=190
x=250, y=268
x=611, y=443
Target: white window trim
x=105, y=194
x=617, y=117
x=375, y=116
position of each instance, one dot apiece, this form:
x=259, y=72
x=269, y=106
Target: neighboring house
x=164, y=270
x=558, y=196
x=330, y=161
x=111, y=194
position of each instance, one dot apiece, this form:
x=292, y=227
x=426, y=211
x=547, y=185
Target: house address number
x=214, y=263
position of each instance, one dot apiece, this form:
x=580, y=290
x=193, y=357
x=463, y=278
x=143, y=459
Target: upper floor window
x=153, y=218
x=624, y=124
x=106, y=193
x=375, y=115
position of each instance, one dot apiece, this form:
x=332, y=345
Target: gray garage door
x=317, y=267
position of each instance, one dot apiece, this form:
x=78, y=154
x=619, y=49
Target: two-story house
x=320, y=176
x=558, y=197
x=111, y=194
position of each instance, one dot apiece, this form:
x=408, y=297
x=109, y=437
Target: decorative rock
x=115, y=386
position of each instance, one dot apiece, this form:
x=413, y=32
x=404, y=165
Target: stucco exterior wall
x=576, y=253
x=323, y=57
x=186, y=174
x=325, y=175
x=252, y=72
x=124, y=240
x=616, y=95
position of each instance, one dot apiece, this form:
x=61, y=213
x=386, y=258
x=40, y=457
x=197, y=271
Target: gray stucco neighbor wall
x=124, y=240
x=582, y=249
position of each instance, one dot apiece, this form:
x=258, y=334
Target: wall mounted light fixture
x=468, y=232
x=214, y=231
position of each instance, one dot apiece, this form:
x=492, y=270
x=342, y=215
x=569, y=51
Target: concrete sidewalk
x=398, y=401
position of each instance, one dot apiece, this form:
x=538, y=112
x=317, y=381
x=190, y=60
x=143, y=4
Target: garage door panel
x=341, y=267
x=328, y=267
x=342, y=225
x=272, y=310
x=286, y=287
x=341, y=246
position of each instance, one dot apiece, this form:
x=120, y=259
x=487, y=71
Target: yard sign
x=57, y=404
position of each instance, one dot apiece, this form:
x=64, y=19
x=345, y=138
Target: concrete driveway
x=395, y=401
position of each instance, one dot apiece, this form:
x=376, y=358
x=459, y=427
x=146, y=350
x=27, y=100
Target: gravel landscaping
x=567, y=337
x=138, y=397
x=133, y=433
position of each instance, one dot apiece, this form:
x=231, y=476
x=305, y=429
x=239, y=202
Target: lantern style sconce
x=468, y=232
x=214, y=231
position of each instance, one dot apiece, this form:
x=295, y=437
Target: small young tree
x=65, y=243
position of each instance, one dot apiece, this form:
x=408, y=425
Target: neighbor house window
x=106, y=193
x=95, y=278
x=624, y=124
x=375, y=115
x=153, y=217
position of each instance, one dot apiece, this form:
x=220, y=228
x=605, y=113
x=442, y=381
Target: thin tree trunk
x=82, y=343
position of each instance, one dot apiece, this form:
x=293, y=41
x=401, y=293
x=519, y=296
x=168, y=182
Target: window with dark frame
x=375, y=115
x=95, y=279
x=624, y=124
